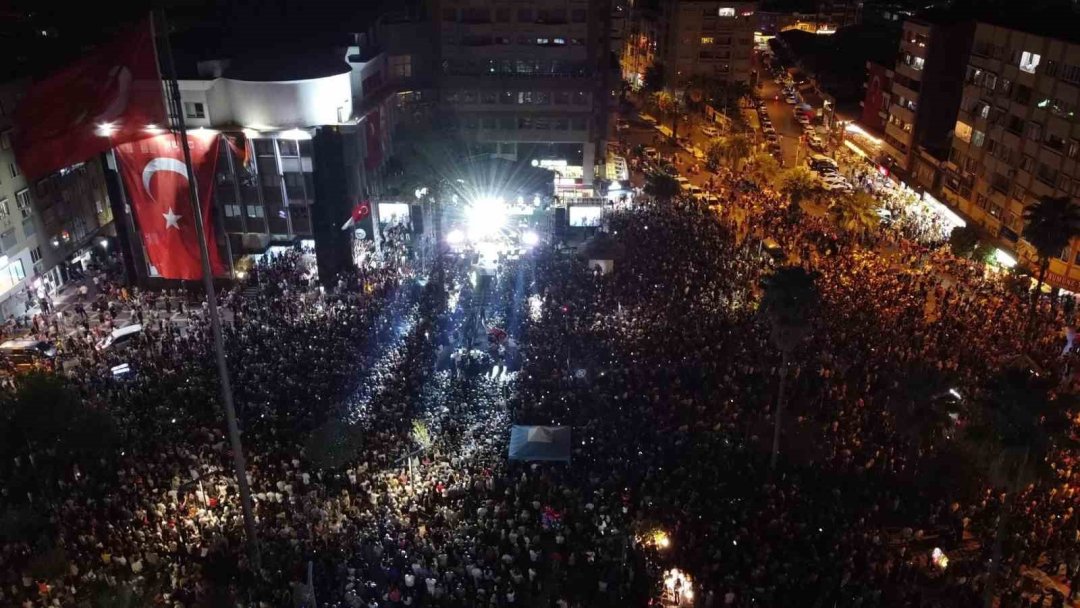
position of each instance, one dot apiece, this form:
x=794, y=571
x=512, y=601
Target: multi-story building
x=926, y=87
x=529, y=81
x=877, y=99
x=1017, y=136
x=840, y=13
x=707, y=39
x=642, y=41
x=48, y=226
x=279, y=115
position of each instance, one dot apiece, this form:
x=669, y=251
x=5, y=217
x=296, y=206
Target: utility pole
x=239, y=466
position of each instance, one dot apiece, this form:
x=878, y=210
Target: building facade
x=874, y=113
x=265, y=191
x=1017, y=136
x=48, y=228
x=707, y=39
x=528, y=81
x=926, y=88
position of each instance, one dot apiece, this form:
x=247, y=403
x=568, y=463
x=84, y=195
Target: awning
x=540, y=443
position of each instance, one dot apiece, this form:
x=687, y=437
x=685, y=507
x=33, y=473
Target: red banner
x=106, y=98
x=156, y=180
x=374, y=140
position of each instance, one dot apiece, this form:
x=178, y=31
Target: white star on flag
x=171, y=219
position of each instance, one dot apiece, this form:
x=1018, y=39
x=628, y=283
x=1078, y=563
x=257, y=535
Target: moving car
x=121, y=337
x=26, y=354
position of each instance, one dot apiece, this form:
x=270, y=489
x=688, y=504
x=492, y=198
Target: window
x=232, y=210
x=194, y=109
x=5, y=139
x=1073, y=148
x=13, y=169
x=990, y=81
x=5, y=210
x=1055, y=142
x=558, y=41
x=1029, y=61
x=578, y=15
x=22, y=201
x=962, y=132
x=35, y=255
x=978, y=138
x=1022, y=94
x=726, y=12
x=400, y=66
x=255, y=211
x=707, y=40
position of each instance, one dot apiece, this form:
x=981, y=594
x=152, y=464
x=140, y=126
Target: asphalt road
x=782, y=116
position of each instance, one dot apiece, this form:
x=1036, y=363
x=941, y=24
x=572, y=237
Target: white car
x=683, y=182
x=837, y=187
x=834, y=178
x=791, y=101
x=768, y=130
x=709, y=131
x=651, y=153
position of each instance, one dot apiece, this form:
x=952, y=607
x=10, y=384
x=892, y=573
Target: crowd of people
x=378, y=461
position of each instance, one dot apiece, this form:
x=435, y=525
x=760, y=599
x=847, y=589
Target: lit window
x=962, y=131
x=726, y=12
x=978, y=138
x=706, y=40
x=194, y=110
x=558, y=41
x=1029, y=61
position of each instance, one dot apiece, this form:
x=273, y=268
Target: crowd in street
x=379, y=459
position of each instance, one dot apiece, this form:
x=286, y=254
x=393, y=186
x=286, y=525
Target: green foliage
x=963, y=240
x=798, y=184
x=654, y=78
x=421, y=435
x=791, y=297
x=765, y=166
x=332, y=445
x=856, y=212
x=46, y=417
x=661, y=185
x=1051, y=224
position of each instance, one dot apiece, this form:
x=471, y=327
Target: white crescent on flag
x=161, y=163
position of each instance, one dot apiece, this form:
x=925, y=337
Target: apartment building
x=48, y=226
x=641, y=44
x=707, y=39
x=877, y=99
x=532, y=81
x=1017, y=136
x=926, y=87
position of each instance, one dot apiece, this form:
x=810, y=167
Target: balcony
x=898, y=134
x=909, y=71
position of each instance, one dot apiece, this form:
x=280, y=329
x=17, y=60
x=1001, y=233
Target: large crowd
x=375, y=411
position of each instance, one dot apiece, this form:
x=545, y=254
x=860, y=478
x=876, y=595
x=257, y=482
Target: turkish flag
x=156, y=180
x=106, y=98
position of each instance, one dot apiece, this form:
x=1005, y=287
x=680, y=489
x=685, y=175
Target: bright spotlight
x=530, y=238
x=105, y=129
x=485, y=217
x=455, y=237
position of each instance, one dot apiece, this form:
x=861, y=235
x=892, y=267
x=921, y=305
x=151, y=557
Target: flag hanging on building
x=106, y=98
x=156, y=180
x=358, y=213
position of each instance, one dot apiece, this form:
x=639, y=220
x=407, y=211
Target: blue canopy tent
x=540, y=443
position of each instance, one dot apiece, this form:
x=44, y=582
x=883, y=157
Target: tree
x=798, y=183
x=654, y=78
x=1012, y=439
x=661, y=185
x=790, y=298
x=765, y=166
x=856, y=212
x=738, y=149
x=332, y=445
x=963, y=240
x=670, y=103
x=45, y=423
x=1050, y=225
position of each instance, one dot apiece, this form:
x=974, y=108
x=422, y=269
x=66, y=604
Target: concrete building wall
x=1017, y=136
x=708, y=39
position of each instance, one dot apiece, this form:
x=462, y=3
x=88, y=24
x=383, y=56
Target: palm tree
x=797, y=184
x=1050, y=224
x=661, y=185
x=765, y=166
x=855, y=212
x=738, y=149
x=1011, y=439
x=790, y=298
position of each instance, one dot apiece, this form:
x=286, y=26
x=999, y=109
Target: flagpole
x=239, y=466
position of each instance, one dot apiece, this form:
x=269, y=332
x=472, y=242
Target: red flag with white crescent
x=359, y=212
x=156, y=180
x=108, y=97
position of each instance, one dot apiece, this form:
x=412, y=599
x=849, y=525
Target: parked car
x=838, y=187
x=816, y=159
x=772, y=138
x=768, y=130
x=709, y=131
x=816, y=142
x=651, y=153
x=121, y=337
x=622, y=124
x=791, y=101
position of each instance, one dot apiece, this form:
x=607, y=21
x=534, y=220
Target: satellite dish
x=360, y=234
